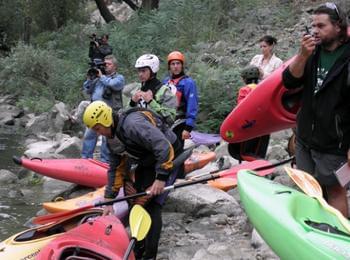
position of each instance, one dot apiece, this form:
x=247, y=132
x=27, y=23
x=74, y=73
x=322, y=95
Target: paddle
x=311, y=187
x=56, y=216
x=140, y=223
x=258, y=165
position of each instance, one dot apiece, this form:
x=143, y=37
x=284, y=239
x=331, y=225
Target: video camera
x=95, y=65
x=95, y=39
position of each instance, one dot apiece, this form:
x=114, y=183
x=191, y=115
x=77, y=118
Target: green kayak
x=293, y=224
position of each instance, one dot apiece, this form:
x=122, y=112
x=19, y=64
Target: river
x=15, y=208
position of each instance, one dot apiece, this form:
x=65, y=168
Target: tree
x=104, y=11
x=108, y=16
x=149, y=4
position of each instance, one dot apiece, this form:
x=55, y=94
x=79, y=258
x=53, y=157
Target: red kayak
x=87, y=172
x=269, y=108
x=102, y=238
x=229, y=177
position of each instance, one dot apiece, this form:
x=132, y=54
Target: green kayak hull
x=293, y=224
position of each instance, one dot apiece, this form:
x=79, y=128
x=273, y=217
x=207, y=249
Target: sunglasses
x=333, y=7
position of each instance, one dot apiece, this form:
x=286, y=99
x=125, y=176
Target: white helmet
x=148, y=60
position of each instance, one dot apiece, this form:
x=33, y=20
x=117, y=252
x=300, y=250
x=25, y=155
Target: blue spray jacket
x=186, y=92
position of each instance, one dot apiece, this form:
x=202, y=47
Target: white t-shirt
x=269, y=67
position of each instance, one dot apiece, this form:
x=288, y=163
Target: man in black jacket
x=139, y=136
x=323, y=125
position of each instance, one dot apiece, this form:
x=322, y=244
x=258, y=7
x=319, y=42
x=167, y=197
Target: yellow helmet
x=98, y=112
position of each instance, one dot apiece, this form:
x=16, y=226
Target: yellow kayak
x=27, y=244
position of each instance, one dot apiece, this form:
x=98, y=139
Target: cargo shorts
x=320, y=165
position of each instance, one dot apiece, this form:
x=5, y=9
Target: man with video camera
x=107, y=88
x=99, y=47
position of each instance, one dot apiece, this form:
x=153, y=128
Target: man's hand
x=186, y=135
x=107, y=209
x=99, y=73
x=147, y=96
x=137, y=96
x=157, y=187
x=308, y=45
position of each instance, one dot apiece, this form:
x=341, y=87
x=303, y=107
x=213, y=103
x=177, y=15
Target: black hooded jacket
x=323, y=122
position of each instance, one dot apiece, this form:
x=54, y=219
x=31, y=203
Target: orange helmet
x=176, y=55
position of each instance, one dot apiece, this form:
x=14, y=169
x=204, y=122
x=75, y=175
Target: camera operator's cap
x=148, y=60
x=98, y=112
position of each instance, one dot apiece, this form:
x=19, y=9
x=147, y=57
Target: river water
x=16, y=205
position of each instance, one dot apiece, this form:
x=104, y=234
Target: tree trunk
x=105, y=13
x=27, y=29
x=131, y=4
x=149, y=4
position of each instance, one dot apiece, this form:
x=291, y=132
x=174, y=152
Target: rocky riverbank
x=200, y=222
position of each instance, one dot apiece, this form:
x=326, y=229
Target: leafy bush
x=39, y=77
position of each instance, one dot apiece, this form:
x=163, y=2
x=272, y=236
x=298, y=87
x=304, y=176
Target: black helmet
x=250, y=72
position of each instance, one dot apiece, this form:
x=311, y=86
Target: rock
x=7, y=177
x=9, y=113
x=70, y=146
x=59, y=118
x=44, y=149
x=38, y=124
x=201, y=200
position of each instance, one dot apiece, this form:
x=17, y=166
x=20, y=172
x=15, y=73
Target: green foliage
x=39, y=76
x=11, y=22
x=51, y=15
x=217, y=94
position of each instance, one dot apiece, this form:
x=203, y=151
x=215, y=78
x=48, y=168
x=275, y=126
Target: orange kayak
x=198, y=160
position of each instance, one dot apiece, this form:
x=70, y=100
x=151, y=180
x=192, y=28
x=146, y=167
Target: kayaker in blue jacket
x=321, y=68
x=185, y=89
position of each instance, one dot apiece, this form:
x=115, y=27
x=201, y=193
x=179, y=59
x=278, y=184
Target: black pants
x=148, y=248
x=178, y=131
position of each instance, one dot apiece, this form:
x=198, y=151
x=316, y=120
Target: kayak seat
x=326, y=228
x=55, y=230
x=291, y=100
x=77, y=253
x=29, y=235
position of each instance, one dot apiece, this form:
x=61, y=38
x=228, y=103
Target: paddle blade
x=140, y=222
x=305, y=182
x=262, y=167
x=57, y=216
x=311, y=187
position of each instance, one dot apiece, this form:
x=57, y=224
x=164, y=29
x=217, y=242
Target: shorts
x=320, y=165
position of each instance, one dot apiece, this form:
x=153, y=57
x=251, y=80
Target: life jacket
x=131, y=148
x=171, y=84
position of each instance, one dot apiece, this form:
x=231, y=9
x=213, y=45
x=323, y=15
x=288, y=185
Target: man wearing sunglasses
x=322, y=68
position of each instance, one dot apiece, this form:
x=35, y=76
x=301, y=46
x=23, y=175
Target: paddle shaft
x=177, y=162
x=167, y=188
x=54, y=217
x=129, y=249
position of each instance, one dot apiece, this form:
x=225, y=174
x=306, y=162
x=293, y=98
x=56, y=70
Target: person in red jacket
x=255, y=148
